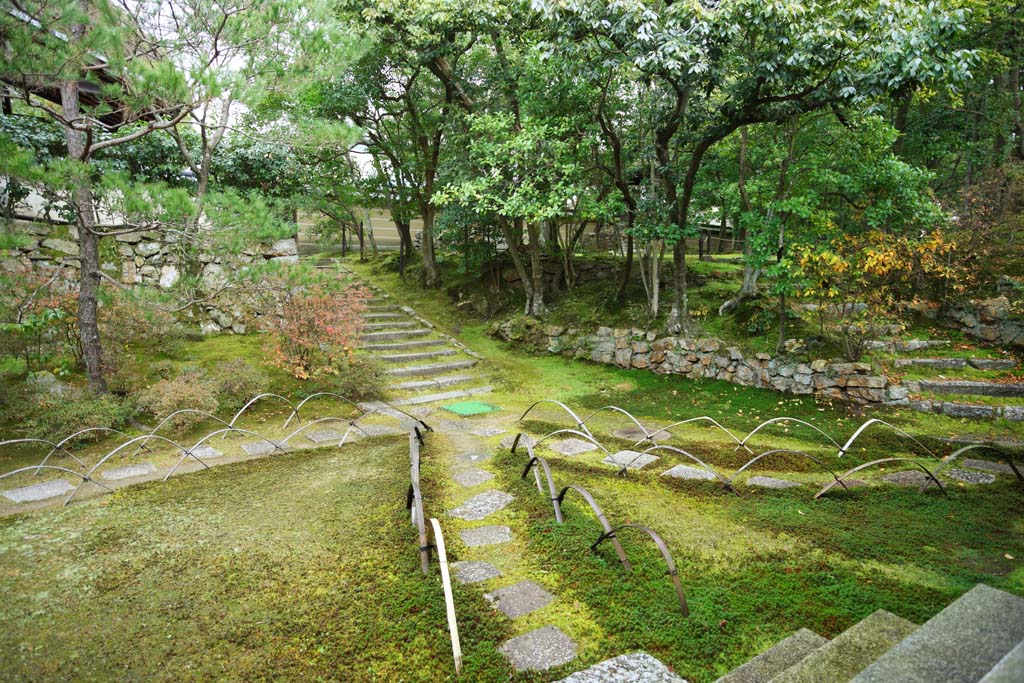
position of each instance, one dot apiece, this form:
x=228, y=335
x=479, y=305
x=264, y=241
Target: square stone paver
x=30, y=494
x=520, y=598
x=572, y=446
x=491, y=534
x=687, y=472
x=206, y=452
x=637, y=667
x=523, y=440
x=379, y=430
x=471, y=458
x=543, y=648
x=488, y=431
x=129, y=471
x=474, y=571
x=320, y=436
x=771, y=483
x=971, y=477
x=988, y=465
x=482, y=505
x=635, y=434
x=630, y=459
x=472, y=477
x=261, y=447
x=915, y=478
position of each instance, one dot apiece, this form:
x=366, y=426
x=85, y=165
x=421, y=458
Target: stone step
x=992, y=363
x=906, y=346
x=396, y=334
x=940, y=363
x=400, y=346
x=1009, y=669
x=847, y=654
x=431, y=369
x=398, y=325
x=443, y=396
x=960, y=644
x=129, y=471
x=781, y=656
x=37, y=492
x=637, y=667
x=419, y=355
x=375, y=315
x=969, y=411
x=543, y=648
x=433, y=383
x=519, y=599
x=972, y=388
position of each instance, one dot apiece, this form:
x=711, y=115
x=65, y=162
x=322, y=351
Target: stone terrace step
x=382, y=315
x=435, y=383
x=941, y=363
x=969, y=411
x=777, y=659
x=1000, y=389
x=637, y=667
x=395, y=334
x=1010, y=668
x=992, y=363
x=404, y=324
x=847, y=654
x=960, y=644
x=421, y=355
x=400, y=346
x=443, y=396
x=432, y=369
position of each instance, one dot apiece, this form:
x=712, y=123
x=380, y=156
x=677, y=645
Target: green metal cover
x=470, y=408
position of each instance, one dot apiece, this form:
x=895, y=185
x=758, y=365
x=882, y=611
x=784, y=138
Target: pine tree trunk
x=431, y=276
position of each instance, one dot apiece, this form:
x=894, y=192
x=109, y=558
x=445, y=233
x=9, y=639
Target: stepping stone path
x=469, y=571
x=523, y=441
x=129, y=471
x=971, y=477
x=630, y=459
x=572, y=447
x=771, y=483
x=637, y=667
x=206, y=452
x=687, y=472
x=482, y=505
x=36, y=492
x=635, y=434
x=472, y=477
x=520, y=599
x=488, y=431
x=469, y=458
x=541, y=649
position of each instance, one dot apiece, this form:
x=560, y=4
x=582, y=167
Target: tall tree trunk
x=369, y=234
x=750, y=273
x=1018, y=114
x=431, y=275
x=536, y=302
x=88, y=246
x=512, y=245
x=627, y=266
x=404, y=244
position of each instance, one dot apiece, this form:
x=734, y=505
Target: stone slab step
x=970, y=411
x=433, y=383
x=129, y=471
x=960, y=644
x=541, y=649
x=1009, y=669
x=637, y=667
x=395, y=334
x=37, y=492
x=442, y=396
x=474, y=571
x=781, y=656
x=483, y=504
x=519, y=599
x=396, y=325
x=492, y=534
x=940, y=363
x=382, y=315
x=401, y=346
x=992, y=363
x=972, y=388
x=431, y=369
x=847, y=654
x=410, y=357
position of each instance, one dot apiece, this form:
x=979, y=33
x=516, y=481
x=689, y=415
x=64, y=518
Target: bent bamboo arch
x=672, y=571
x=321, y=394
x=602, y=520
x=588, y=437
x=788, y=419
x=579, y=422
x=534, y=460
x=725, y=482
x=83, y=477
x=647, y=434
x=80, y=432
x=786, y=450
x=866, y=465
x=860, y=430
x=702, y=418
x=53, y=447
x=952, y=457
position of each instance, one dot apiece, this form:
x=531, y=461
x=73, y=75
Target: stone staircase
x=424, y=366
x=978, y=638
x=974, y=388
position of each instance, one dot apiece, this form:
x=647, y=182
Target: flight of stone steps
x=979, y=638
x=424, y=365
x=972, y=388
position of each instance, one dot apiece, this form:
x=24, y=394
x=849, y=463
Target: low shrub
x=234, y=382
x=360, y=379
x=53, y=416
x=187, y=390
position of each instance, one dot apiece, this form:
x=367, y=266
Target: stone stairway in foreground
x=974, y=388
x=979, y=638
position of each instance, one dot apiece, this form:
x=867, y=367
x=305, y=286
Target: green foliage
x=359, y=379
x=187, y=391
x=234, y=382
x=52, y=414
